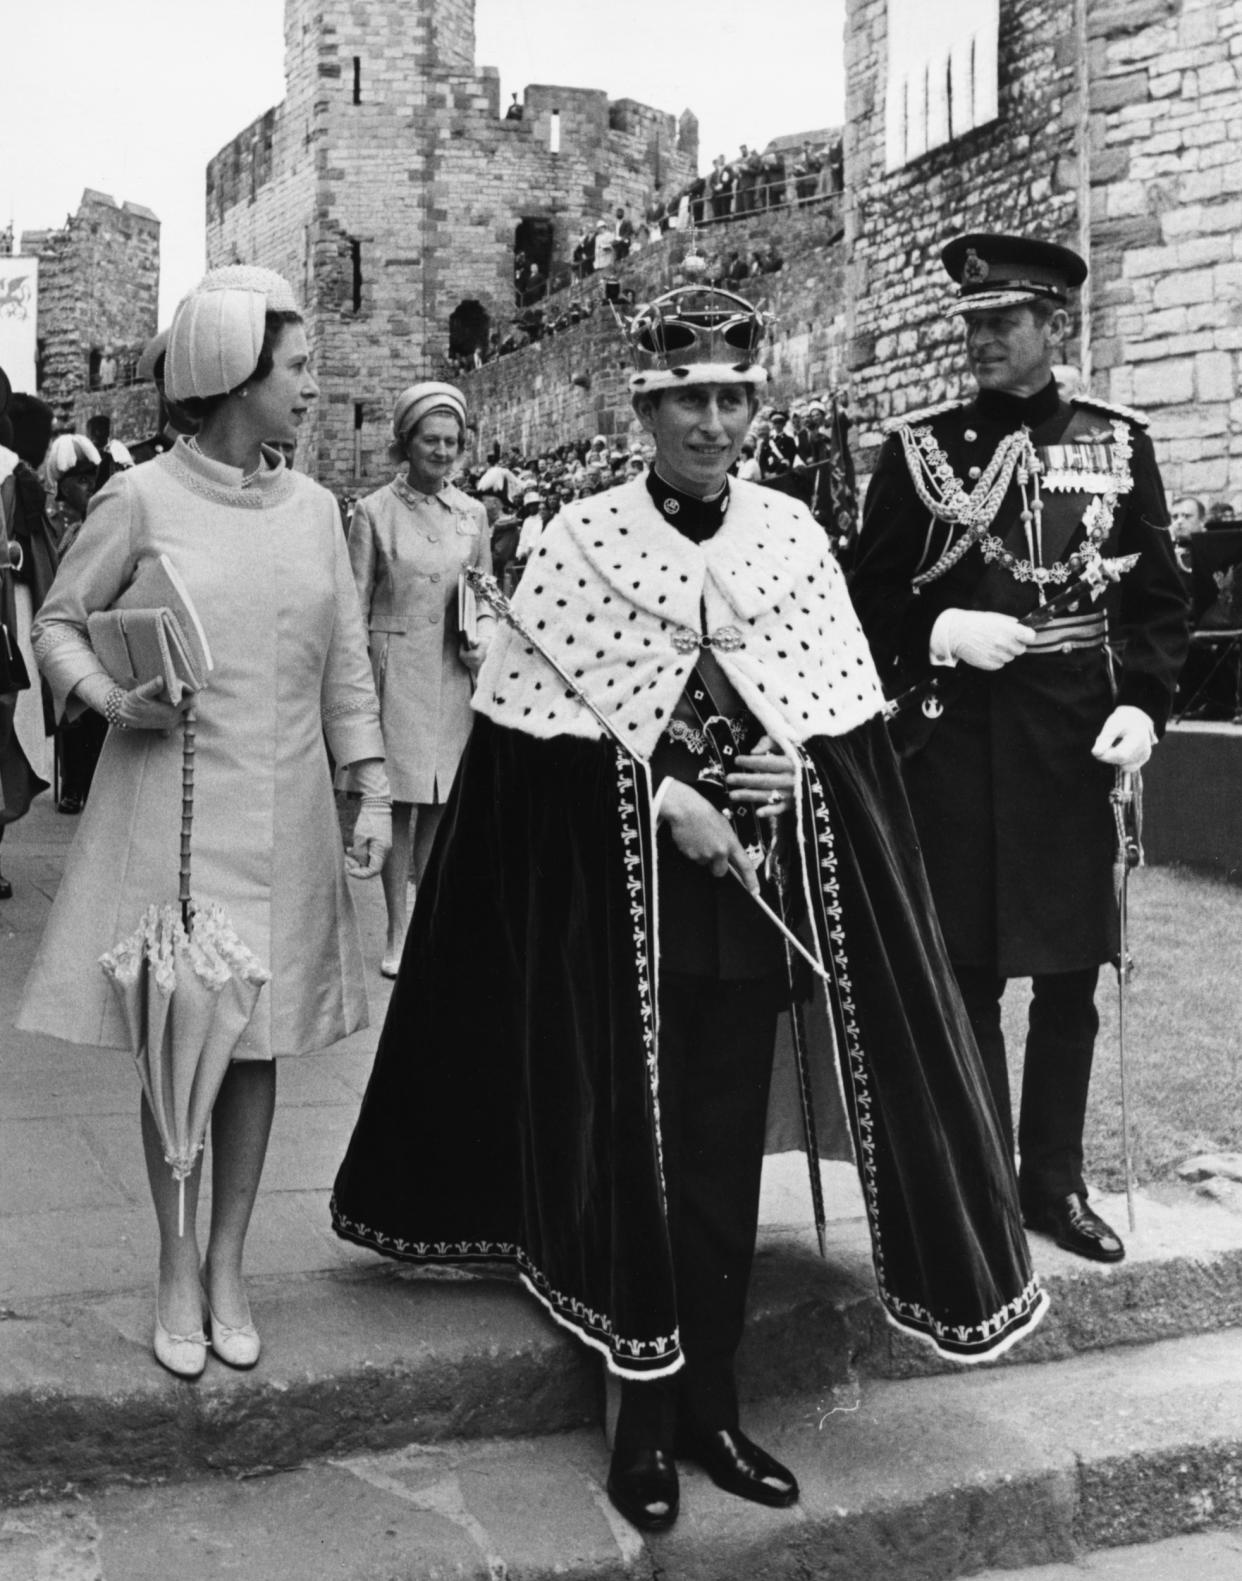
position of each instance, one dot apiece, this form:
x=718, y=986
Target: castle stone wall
x=1166, y=222
x=1165, y=218
x=1016, y=174
x=389, y=188
x=574, y=384
x=98, y=303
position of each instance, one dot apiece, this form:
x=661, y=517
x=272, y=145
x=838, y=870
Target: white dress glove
x=1126, y=739
x=978, y=637
x=372, y=839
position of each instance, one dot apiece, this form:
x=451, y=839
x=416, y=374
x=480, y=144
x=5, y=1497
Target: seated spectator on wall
x=514, y=112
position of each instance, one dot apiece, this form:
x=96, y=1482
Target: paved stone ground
x=382, y=1393
x=75, y=1214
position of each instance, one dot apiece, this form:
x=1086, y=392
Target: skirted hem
x=624, y=1357
x=996, y=1336
x=519, y=1119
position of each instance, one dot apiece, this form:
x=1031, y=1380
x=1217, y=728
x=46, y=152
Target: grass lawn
x=1183, y=1030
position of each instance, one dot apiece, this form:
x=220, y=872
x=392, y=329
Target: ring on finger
x=775, y=798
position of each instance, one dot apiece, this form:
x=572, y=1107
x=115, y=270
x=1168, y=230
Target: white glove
x=372, y=839
x=978, y=637
x=1126, y=739
x=472, y=656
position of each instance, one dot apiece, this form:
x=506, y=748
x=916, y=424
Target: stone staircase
x=405, y=1425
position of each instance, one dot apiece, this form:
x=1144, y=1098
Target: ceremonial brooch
x=728, y=639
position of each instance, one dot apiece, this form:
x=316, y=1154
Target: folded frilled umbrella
x=187, y=987
x=187, y=996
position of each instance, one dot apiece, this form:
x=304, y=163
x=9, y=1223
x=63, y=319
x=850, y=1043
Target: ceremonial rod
x=487, y=588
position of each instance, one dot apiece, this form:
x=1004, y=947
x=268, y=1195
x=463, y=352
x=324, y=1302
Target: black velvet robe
x=513, y=1110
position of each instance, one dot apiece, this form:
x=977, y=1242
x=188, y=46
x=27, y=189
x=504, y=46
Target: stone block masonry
x=98, y=303
x=389, y=188
x=1165, y=223
x=575, y=384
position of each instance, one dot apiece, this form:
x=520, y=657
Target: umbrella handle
x=187, y=810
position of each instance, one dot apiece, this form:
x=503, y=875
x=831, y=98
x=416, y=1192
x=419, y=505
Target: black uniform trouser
x=1056, y=1073
x=716, y=1046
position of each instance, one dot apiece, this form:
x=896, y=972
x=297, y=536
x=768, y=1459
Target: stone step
x=371, y=1359
x=1205, y=1556
x=922, y=1479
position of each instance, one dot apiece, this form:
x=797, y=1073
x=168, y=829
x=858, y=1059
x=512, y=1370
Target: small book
x=467, y=612
x=153, y=631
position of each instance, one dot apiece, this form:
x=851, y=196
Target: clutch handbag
x=467, y=612
x=153, y=632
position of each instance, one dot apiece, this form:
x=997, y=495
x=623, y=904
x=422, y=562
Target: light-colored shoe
x=390, y=965
x=236, y=1347
x=182, y=1354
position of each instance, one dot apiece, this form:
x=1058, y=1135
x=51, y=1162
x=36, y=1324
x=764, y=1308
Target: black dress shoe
x=6, y=888
x=642, y=1484
x=1073, y=1225
x=740, y=1467
x=69, y=804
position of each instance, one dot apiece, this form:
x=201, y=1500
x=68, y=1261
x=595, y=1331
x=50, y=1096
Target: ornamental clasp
x=727, y=639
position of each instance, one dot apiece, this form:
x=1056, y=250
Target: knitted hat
x=217, y=331
x=415, y=403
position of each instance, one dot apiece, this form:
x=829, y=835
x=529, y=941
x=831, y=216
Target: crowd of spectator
x=750, y=183
x=787, y=448
x=753, y=183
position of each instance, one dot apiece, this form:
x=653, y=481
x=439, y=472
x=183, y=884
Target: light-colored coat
x=266, y=568
x=407, y=551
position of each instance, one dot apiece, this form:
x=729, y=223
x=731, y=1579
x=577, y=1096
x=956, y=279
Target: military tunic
x=1011, y=807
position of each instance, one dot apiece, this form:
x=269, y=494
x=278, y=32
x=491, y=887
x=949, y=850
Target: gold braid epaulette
x=1113, y=408
x=907, y=419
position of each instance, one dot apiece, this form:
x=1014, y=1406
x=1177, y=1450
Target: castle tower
x=393, y=194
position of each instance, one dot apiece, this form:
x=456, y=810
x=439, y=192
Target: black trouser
x=1056, y=1073
x=716, y=1044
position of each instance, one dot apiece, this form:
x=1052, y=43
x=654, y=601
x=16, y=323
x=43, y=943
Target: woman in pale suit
x=409, y=542
x=259, y=550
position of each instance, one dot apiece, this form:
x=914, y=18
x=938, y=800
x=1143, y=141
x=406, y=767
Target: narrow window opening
x=355, y=259
x=358, y=415
x=357, y=79
x=554, y=133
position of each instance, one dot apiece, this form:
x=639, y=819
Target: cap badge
x=672, y=507
x=974, y=270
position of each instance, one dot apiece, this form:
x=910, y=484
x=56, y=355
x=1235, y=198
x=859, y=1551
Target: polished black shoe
x=70, y=804
x=6, y=888
x=740, y=1467
x=1073, y=1226
x=642, y=1484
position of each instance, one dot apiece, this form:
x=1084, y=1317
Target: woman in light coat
x=260, y=552
x=409, y=544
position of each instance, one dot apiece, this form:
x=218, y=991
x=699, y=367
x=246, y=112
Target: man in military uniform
x=979, y=512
